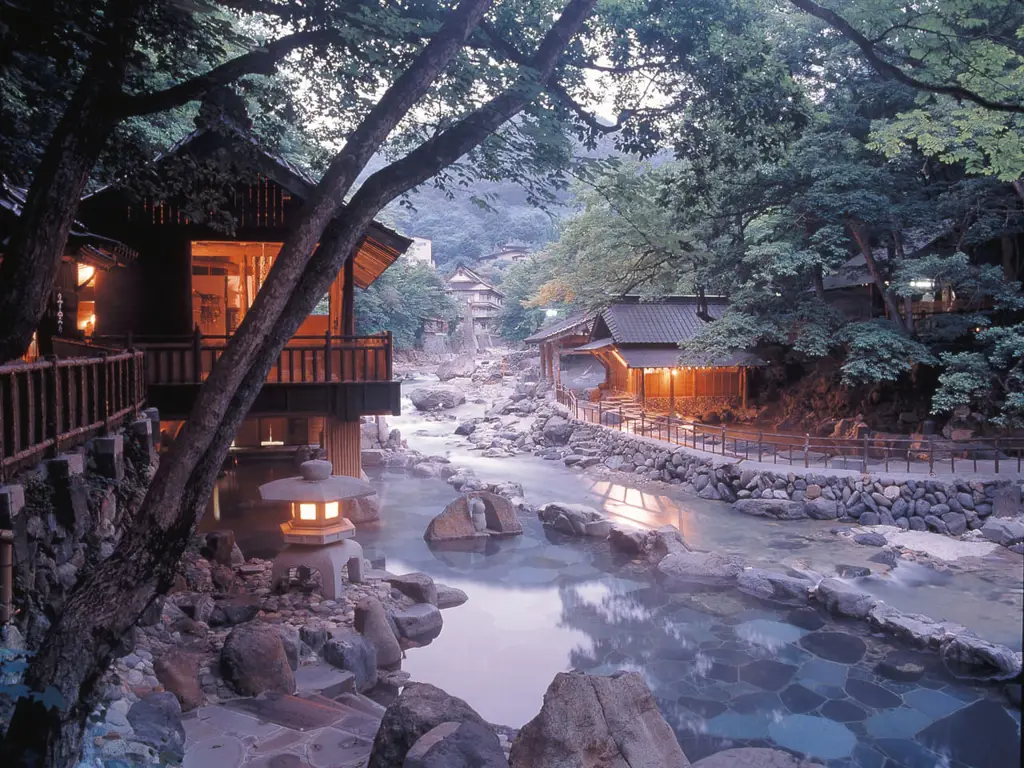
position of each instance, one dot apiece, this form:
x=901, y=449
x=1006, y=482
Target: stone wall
x=68, y=514
x=952, y=507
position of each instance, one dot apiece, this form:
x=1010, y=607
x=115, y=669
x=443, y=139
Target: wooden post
x=55, y=414
x=744, y=390
x=671, y=393
x=197, y=354
x=6, y=576
x=995, y=448
x=104, y=393
x=643, y=388
x=760, y=445
x=807, y=449
x=327, y=355
x=867, y=444
x=723, y=440
x=389, y=353
x=348, y=311
x=931, y=455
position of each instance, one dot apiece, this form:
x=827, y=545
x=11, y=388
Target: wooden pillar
x=341, y=443
x=543, y=360
x=348, y=294
x=672, y=391
x=643, y=388
x=743, y=386
x=556, y=353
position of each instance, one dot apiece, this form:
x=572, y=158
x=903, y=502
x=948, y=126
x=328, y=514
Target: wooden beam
x=348, y=310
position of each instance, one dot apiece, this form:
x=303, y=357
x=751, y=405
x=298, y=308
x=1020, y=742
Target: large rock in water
x=178, y=672
x=457, y=745
x=461, y=366
x=437, y=398
x=557, y=430
x=253, y=660
x=574, y=519
x=588, y=721
x=780, y=509
x=753, y=757
x=419, y=709
x=687, y=567
x=372, y=623
x=456, y=523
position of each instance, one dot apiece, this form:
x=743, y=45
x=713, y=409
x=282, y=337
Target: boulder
x=364, y=510
x=969, y=656
x=457, y=745
x=842, y=599
x=156, y=720
x=461, y=366
x=234, y=610
x=353, y=653
x=417, y=586
x=557, y=430
x=629, y=541
x=436, y=398
x=754, y=757
x=607, y=722
x=253, y=660
x=465, y=428
x=217, y=547
x=419, y=623
x=417, y=711
x=450, y=597
x=780, y=509
x=292, y=642
x=687, y=567
x=773, y=586
x=573, y=519
x=371, y=621
x=821, y=508
x=1003, y=531
x=178, y=672
x=870, y=539
x=456, y=522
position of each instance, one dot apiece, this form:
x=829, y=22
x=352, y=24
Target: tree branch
x=261, y=61
x=887, y=69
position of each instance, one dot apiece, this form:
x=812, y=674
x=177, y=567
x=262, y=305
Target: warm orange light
x=331, y=510
x=85, y=273
x=307, y=511
x=675, y=371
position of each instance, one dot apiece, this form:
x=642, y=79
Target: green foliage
x=518, y=317
x=988, y=380
x=878, y=350
x=400, y=300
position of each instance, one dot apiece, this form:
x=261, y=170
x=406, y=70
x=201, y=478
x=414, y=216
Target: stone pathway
x=325, y=725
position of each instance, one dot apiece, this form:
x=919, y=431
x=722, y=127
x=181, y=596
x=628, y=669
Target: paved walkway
x=326, y=725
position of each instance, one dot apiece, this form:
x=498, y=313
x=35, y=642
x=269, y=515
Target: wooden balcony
x=341, y=376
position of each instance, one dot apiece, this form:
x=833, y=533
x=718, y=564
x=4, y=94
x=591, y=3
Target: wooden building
x=70, y=317
x=480, y=300
x=562, y=337
x=637, y=342
x=195, y=279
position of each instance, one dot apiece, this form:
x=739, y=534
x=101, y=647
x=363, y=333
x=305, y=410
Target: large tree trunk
x=107, y=601
x=861, y=237
x=30, y=265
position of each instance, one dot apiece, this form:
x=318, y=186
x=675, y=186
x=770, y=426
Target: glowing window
x=331, y=509
x=85, y=273
x=307, y=511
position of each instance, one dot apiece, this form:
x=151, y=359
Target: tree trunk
x=819, y=283
x=860, y=236
x=107, y=601
x=31, y=263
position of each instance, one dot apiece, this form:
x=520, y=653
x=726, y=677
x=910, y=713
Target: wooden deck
x=341, y=376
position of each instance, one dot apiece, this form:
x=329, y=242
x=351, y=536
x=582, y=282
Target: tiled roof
x=556, y=329
x=667, y=321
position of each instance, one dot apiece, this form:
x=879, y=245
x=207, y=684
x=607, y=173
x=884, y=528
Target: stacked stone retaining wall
x=950, y=506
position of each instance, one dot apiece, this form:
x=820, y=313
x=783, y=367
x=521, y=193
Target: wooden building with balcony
x=480, y=300
x=198, y=273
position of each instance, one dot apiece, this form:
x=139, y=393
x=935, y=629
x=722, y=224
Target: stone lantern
x=318, y=535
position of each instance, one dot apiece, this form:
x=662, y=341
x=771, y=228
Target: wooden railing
x=54, y=403
x=306, y=359
x=869, y=452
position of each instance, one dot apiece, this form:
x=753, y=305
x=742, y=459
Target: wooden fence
x=869, y=452
x=306, y=359
x=55, y=403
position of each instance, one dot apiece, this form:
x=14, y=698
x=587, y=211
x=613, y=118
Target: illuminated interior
x=331, y=510
x=85, y=274
x=307, y=511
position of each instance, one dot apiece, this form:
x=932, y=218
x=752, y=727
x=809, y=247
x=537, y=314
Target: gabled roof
x=666, y=321
x=380, y=247
x=561, y=328
x=83, y=246
x=479, y=283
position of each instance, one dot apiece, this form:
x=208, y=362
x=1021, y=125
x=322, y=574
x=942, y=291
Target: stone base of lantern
x=328, y=560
